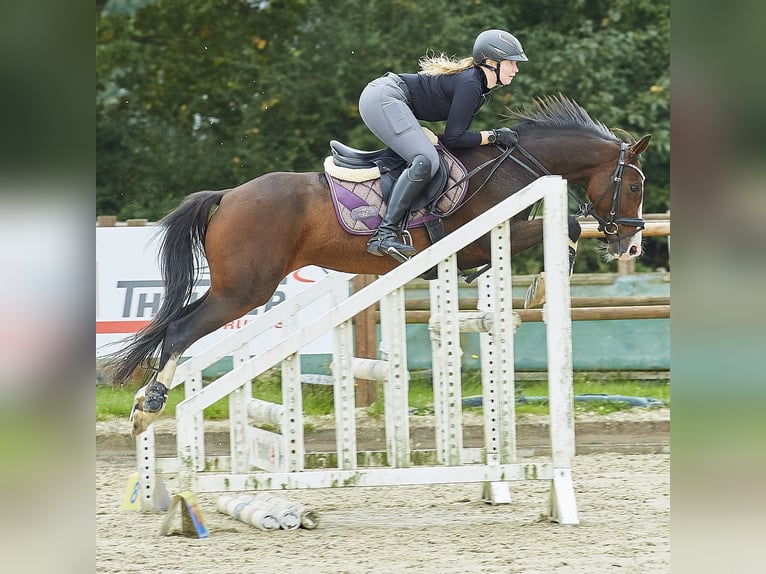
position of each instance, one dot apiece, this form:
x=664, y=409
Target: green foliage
x=207, y=94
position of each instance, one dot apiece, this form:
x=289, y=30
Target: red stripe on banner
x=107, y=327
x=297, y=277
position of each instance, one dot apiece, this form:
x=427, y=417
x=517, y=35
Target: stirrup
x=401, y=252
x=395, y=253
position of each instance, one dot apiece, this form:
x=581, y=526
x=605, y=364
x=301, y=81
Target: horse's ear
x=639, y=147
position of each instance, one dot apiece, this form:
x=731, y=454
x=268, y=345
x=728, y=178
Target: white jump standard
x=272, y=459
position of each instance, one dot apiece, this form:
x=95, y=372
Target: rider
x=444, y=89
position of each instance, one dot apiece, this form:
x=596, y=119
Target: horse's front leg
x=536, y=292
x=574, y=236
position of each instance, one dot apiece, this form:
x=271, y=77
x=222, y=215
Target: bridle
x=610, y=227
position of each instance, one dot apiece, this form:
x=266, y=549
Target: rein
x=608, y=226
x=494, y=162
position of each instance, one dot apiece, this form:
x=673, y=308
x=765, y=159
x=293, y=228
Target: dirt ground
x=623, y=501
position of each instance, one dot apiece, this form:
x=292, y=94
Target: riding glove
x=506, y=137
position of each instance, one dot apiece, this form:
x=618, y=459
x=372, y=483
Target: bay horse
x=257, y=233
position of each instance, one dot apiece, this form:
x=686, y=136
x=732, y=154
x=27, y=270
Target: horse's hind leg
x=205, y=316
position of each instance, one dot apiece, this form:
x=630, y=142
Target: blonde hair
x=433, y=65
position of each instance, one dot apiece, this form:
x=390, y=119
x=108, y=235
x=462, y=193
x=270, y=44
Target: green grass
x=117, y=402
x=318, y=399
x=421, y=396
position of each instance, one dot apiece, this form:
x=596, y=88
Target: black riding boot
x=410, y=183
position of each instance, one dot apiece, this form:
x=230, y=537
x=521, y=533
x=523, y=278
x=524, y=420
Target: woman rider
x=444, y=89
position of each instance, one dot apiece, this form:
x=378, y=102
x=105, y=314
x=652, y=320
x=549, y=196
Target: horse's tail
x=181, y=252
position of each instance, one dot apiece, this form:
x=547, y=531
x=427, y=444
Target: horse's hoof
x=141, y=422
x=156, y=397
x=149, y=402
x=536, y=292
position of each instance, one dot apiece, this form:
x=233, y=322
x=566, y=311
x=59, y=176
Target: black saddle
x=351, y=158
x=391, y=165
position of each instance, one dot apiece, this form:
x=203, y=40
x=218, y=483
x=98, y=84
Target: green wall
x=623, y=345
x=640, y=344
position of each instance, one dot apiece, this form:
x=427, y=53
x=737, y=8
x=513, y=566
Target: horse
x=255, y=234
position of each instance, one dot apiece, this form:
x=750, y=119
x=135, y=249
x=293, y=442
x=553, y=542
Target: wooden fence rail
x=469, y=303
x=577, y=314
x=657, y=225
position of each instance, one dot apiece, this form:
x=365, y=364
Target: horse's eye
x=635, y=188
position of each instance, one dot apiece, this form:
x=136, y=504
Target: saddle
x=361, y=183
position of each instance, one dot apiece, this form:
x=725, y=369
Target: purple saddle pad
x=359, y=205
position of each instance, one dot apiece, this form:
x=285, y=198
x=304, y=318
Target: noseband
x=610, y=226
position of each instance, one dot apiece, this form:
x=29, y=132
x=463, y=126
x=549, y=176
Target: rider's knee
x=422, y=168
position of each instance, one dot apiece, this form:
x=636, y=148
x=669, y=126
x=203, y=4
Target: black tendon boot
x=386, y=239
x=574, y=231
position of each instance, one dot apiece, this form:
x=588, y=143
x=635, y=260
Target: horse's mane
x=560, y=112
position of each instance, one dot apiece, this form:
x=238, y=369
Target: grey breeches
x=384, y=110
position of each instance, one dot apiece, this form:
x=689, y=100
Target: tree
x=209, y=93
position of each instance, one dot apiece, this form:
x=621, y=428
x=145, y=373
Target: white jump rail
x=453, y=465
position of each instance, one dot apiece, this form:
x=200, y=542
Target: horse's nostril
x=633, y=250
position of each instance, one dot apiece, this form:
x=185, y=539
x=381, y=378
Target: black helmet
x=497, y=45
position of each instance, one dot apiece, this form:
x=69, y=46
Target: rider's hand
x=506, y=137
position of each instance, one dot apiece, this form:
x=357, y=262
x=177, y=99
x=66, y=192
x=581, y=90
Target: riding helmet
x=497, y=45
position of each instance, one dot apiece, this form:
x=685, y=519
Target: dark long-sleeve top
x=455, y=98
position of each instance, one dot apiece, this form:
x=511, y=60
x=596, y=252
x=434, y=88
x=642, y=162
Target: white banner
x=129, y=292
